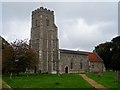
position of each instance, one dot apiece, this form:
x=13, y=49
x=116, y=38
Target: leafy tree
x=116, y=53
x=7, y=56
x=104, y=51
x=110, y=53
x=24, y=56
x=18, y=57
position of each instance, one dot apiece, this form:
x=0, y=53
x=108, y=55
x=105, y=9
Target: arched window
x=92, y=66
x=71, y=65
x=81, y=66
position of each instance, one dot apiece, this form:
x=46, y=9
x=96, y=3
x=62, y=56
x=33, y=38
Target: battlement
x=42, y=9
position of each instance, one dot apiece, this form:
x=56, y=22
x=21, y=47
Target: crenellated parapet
x=41, y=10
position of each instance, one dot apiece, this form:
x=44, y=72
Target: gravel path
x=5, y=86
x=93, y=83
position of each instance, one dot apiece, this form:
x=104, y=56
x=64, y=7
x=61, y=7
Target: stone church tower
x=44, y=40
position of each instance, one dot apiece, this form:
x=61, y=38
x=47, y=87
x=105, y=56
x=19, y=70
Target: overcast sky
x=81, y=25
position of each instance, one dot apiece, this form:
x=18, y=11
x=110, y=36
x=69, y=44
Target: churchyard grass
x=107, y=79
x=47, y=81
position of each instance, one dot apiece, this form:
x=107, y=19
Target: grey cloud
x=15, y=29
x=0, y=18
x=83, y=35
x=99, y=21
x=90, y=11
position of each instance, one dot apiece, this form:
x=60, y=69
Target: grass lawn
x=47, y=81
x=107, y=79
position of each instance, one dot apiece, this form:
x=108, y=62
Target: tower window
x=36, y=22
x=47, y=22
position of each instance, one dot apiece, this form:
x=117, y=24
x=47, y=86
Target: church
x=44, y=40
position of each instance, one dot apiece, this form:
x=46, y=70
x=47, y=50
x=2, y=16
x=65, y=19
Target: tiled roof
x=93, y=57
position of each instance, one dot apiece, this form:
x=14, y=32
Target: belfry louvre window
x=47, y=22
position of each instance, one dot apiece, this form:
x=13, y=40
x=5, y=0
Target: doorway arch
x=66, y=69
